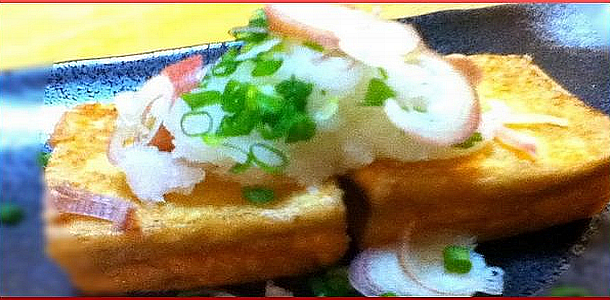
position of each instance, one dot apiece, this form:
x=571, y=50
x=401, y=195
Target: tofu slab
x=211, y=237
x=497, y=192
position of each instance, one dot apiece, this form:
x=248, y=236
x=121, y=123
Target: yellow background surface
x=38, y=34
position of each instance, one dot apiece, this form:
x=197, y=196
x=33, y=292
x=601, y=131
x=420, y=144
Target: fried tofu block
x=211, y=237
x=497, y=192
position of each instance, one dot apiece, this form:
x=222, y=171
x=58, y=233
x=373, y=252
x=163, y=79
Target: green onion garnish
x=10, y=214
x=196, y=100
x=295, y=91
x=383, y=73
x=471, y=141
x=276, y=160
x=234, y=96
x=258, y=19
x=266, y=67
x=377, y=92
x=333, y=283
x=238, y=124
x=258, y=195
x=249, y=34
x=457, y=259
x=313, y=46
x=43, y=159
x=302, y=129
x=420, y=109
x=388, y=294
x=199, y=117
x=225, y=68
x=227, y=64
x=212, y=139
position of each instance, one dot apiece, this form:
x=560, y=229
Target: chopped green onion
x=388, y=294
x=457, y=259
x=333, y=283
x=225, y=68
x=258, y=195
x=212, y=139
x=239, y=168
x=471, y=141
x=238, y=124
x=234, y=96
x=249, y=34
x=196, y=100
x=43, y=159
x=420, y=109
x=313, y=46
x=570, y=291
x=266, y=67
x=227, y=64
x=10, y=214
x=280, y=159
x=383, y=73
x=207, y=118
x=258, y=19
x=377, y=92
x=303, y=129
x=295, y=91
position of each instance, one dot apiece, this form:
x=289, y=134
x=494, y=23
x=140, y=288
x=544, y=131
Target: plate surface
x=562, y=39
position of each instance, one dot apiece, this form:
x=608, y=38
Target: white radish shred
x=493, y=126
x=418, y=270
x=151, y=173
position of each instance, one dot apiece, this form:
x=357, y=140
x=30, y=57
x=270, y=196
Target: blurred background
x=33, y=36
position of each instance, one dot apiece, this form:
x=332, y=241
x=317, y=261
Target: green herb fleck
x=295, y=91
x=227, y=64
x=377, y=92
x=471, y=141
x=302, y=129
x=383, y=73
x=249, y=34
x=388, y=294
x=212, y=139
x=10, y=214
x=266, y=67
x=258, y=195
x=199, y=99
x=457, y=259
x=569, y=291
x=258, y=19
x=333, y=283
x=43, y=158
x=420, y=109
x=313, y=46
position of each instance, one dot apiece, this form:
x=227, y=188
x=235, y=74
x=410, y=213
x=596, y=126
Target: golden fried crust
x=214, y=225
x=498, y=192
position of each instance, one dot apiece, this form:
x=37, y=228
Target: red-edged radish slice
x=466, y=66
x=452, y=111
x=350, y=30
x=520, y=141
x=185, y=74
x=304, y=22
x=417, y=269
x=67, y=199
